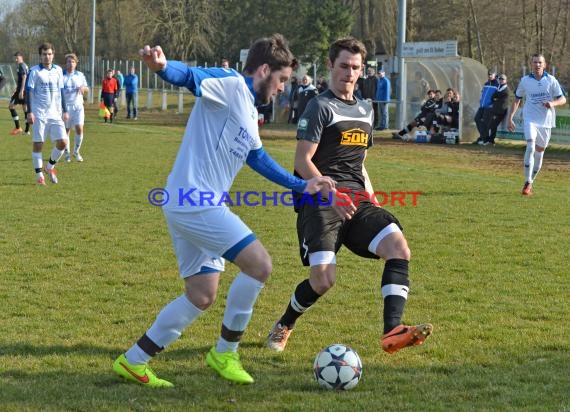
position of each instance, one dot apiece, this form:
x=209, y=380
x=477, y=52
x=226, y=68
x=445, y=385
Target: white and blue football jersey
x=537, y=92
x=220, y=133
x=44, y=88
x=71, y=84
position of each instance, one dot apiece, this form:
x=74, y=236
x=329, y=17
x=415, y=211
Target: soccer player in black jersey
x=333, y=135
x=19, y=96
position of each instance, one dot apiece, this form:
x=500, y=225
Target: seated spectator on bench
x=425, y=118
x=448, y=115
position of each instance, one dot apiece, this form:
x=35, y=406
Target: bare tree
x=477, y=32
x=187, y=25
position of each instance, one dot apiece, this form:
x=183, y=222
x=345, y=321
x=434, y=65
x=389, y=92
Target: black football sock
x=396, y=276
x=303, y=298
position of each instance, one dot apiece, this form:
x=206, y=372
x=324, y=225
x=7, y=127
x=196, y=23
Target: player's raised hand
x=153, y=57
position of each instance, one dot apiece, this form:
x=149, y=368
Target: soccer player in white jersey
x=543, y=93
x=74, y=86
x=220, y=137
x=47, y=111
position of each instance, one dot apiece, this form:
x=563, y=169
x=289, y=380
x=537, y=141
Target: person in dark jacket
x=293, y=100
x=447, y=115
x=425, y=118
x=305, y=92
x=499, y=109
x=483, y=115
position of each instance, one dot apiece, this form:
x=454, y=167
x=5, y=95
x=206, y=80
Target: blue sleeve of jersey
x=182, y=75
x=178, y=74
x=260, y=161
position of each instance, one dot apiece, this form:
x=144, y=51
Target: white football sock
x=529, y=161
x=56, y=154
x=37, y=160
x=537, y=163
x=168, y=326
x=239, y=307
x=78, y=141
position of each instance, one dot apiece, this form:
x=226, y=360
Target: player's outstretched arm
x=260, y=161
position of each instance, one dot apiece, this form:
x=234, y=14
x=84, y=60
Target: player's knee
x=264, y=269
x=394, y=246
x=322, y=279
x=202, y=301
x=261, y=268
x=255, y=262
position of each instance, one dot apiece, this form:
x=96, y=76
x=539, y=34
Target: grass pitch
x=86, y=265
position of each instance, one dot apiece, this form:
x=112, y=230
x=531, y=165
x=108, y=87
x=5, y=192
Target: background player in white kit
x=45, y=101
x=543, y=93
x=74, y=86
x=220, y=137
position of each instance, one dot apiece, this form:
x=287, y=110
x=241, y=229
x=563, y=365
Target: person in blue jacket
x=484, y=112
x=131, y=84
x=383, y=91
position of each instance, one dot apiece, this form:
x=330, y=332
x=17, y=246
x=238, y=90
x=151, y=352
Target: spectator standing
x=19, y=96
x=293, y=100
x=225, y=64
x=306, y=92
x=368, y=86
x=484, y=113
x=109, y=92
x=132, y=89
x=499, y=109
x=120, y=84
x=543, y=93
x=74, y=86
x=47, y=111
x=419, y=88
x=383, y=91
x=322, y=84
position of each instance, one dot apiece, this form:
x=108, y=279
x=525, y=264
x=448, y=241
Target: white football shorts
x=201, y=237
x=76, y=116
x=53, y=128
x=539, y=135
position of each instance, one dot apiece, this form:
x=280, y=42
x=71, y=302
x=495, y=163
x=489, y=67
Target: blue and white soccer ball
x=337, y=367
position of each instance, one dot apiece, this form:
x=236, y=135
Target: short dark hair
x=273, y=51
x=350, y=44
x=18, y=54
x=45, y=46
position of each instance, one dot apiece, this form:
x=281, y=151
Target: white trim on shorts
x=391, y=228
x=325, y=257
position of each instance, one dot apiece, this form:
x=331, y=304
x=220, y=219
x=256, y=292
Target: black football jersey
x=343, y=131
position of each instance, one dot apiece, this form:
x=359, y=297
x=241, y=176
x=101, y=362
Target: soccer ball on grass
x=337, y=367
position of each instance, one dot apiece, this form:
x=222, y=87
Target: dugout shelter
x=465, y=75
